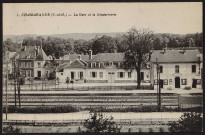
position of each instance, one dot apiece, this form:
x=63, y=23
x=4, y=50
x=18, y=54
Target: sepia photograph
x=120, y=67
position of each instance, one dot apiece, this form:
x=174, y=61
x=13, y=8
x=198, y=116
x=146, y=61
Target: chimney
x=90, y=54
x=79, y=57
x=24, y=48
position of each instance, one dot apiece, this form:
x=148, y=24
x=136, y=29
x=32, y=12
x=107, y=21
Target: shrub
x=97, y=123
x=22, y=81
x=37, y=78
x=188, y=122
x=187, y=88
x=11, y=129
x=54, y=109
x=52, y=76
x=145, y=109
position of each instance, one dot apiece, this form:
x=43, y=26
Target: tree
x=104, y=44
x=188, y=122
x=11, y=129
x=139, y=43
x=29, y=41
x=121, y=43
x=157, y=44
x=81, y=46
x=97, y=123
x=9, y=45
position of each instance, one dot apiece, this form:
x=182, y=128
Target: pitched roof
x=75, y=64
x=107, y=57
x=73, y=57
x=175, y=56
x=30, y=53
x=11, y=54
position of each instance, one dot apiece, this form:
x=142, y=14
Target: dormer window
x=101, y=65
x=28, y=56
x=93, y=65
x=110, y=63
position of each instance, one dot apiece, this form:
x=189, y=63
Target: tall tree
x=157, y=44
x=139, y=44
x=104, y=44
x=29, y=41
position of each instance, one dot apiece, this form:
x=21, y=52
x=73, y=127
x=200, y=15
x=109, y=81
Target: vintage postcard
x=102, y=67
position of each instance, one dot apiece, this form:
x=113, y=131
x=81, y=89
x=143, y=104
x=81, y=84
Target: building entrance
x=177, y=82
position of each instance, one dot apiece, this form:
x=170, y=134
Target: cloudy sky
x=177, y=18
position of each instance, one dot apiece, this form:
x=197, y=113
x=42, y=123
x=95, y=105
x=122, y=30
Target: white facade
x=39, y=70
x=177, y=75
x=97, y=75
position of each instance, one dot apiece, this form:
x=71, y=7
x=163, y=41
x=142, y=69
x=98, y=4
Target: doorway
x=161, y=82
x=194, y=82
x=72, y=75
x=39, y=73
x=177, y=82
x=111, y=77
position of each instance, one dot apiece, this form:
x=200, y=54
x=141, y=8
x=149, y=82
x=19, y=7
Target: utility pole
x=157, y=68
x=7, y=57
x=159, y=93
x=15, y=76
x=18, y=83
x=158, y=86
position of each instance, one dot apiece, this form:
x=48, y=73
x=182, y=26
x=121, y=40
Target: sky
x=166, y=17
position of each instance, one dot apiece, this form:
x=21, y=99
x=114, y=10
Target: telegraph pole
x=18, y=83
x=157, y=68
x=159, y=93
x=15, y=76
x=7, y=57
x=158, y=86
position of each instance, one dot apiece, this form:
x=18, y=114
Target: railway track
x=86, y=100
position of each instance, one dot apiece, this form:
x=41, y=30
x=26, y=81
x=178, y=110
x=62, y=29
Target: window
x=72, y=74
x=93, y=65
x=25, y=64
x=101, y=74
x=161, y=69
x=170, y=81
x=184, y=81
x=28, y=56
x=129, y=75
x=28, y=73
x=165, y=82
x=155, y=82
x=101, y=65
x=39, y=64
x=93, y=74
x=142, y=75
x=31, y=64
x=22, y=64
x=193, y=68
x=176, y=69
x=121, y=74
x=110, y=63
x=81, y=75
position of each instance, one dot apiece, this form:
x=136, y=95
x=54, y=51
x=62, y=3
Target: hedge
x=54, y=109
